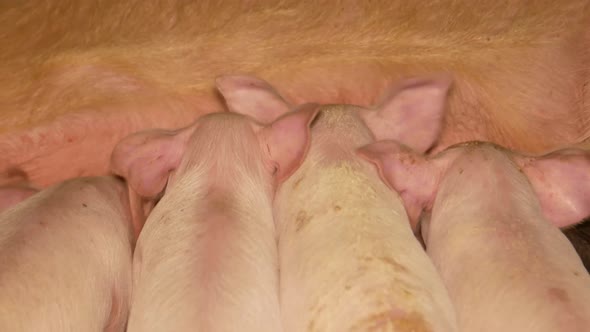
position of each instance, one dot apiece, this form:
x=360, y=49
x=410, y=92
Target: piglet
x=65, y=259
x=348, y=258
x=488, y=218
x=206, y=257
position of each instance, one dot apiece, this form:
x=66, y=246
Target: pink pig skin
x=206, y=258
x=12, y=195
x=348, y=258
x=486, y=218
x=65, y=259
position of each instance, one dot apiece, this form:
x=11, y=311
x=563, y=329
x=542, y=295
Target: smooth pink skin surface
x=411, y=111
x=66, y=259
x=561, y=179
x=12, y=195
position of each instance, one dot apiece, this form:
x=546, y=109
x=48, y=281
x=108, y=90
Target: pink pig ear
x=287, y=140
x=145, y=160
x=412, y=112
x=253, y=97
x=561, y=181
x=409, y=173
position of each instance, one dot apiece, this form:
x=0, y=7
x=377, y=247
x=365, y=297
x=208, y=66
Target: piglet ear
x=409, y=173
x=145, y=160
x=253, y=97
x=561, y=181
x=412, y=112
x=287, y=140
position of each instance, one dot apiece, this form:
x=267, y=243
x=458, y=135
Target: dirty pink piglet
x=488, y=217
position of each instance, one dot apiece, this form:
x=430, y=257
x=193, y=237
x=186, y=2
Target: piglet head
x=411, y=111
x=560, y=180
x=147, y=159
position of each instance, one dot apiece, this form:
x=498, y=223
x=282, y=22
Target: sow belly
x=77, y=77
